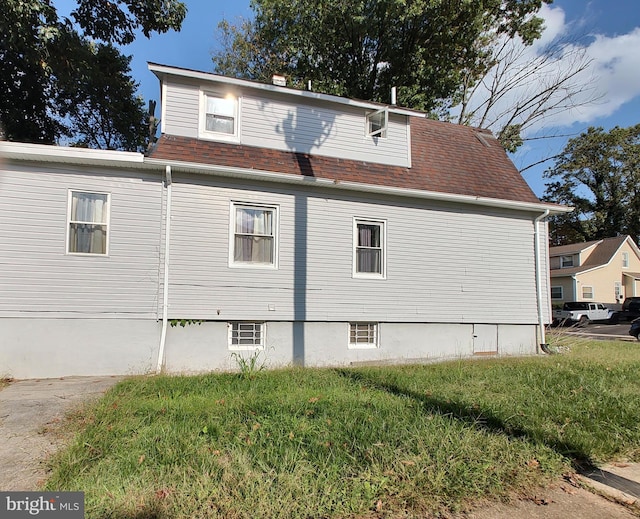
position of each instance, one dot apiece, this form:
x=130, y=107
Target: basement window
x=363, y=335
x=244, y=335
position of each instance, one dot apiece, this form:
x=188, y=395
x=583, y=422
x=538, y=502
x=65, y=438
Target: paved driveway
x=26, y=408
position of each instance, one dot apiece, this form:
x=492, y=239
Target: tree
x=362, y=48
x=524, y=87
x=64, y=78
x=598, y=173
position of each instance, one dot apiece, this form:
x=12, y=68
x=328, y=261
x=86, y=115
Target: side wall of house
x=67, y=314
x=273, y=121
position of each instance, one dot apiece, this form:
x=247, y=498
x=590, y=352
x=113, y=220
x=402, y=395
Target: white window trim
x=246, y=347
x=232, y=232
x=203, y=133
x=561, y=292
x=625, y=260
x=364, y=345
x=69, y=221
x=382, y=132
x=383, y=236
x=593, y=295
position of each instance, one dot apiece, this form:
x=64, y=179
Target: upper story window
x=253, y=235
x=219, y=118
x=625, y=260
x=88, y=223
x=377, y=123
x=369, y=249
x=566, y=261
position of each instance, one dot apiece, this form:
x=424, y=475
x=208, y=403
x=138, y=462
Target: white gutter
x=268, y=176
x=165, y=291
x=538, y=260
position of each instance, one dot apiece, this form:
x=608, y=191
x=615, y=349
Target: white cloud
x=613, y=75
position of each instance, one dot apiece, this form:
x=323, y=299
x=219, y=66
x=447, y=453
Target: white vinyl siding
x=469, y=265
x=40, y=279
x=271, y=121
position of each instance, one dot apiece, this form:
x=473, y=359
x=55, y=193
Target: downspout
x=536, y=245
x=165, y=291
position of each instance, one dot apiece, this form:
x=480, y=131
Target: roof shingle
x=446, y=158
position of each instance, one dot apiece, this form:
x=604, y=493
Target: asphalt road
x=602, y=330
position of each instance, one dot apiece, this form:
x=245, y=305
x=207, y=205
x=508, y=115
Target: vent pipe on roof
x=393, y=95
x=309, y=85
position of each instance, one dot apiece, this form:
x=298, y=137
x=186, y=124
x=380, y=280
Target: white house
x=300, y=227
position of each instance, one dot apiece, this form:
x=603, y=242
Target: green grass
x=411, y=440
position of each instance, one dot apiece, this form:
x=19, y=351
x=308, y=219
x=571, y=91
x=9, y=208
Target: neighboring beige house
x=606, y=271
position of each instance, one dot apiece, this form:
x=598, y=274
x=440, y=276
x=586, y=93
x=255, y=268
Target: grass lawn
x=356, y=442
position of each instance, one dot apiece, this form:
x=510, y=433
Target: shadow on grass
x=476, y=417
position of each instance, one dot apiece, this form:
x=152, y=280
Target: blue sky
x=609, y=31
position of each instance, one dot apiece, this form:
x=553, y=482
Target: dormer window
x=219, y=116
x=377, y=123
x=566, y=261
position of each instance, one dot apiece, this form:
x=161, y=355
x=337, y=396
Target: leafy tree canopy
x=361, y=48
x=598, y=173
x=64, y=78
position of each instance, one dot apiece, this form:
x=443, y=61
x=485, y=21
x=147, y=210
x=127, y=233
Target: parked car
x=581, y=312
x=634, y=331
x=630, y=309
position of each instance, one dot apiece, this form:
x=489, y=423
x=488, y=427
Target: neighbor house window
x=587, y=292
x=88, y=223
x=625, y=260
x=253, y=235
x=566, y=261
x=220, y=115
x=369, y=248
x=246, y=335
x=363, y=335
x=556, y=293
x=377, y=123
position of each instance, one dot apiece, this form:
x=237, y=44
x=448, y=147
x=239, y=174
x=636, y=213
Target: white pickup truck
x=582, y=313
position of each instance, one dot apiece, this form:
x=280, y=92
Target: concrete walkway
x=26, y=408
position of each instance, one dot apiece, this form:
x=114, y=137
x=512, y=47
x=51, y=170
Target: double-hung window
x=556, y=292
x=566, y=261
x=88, y=223
x=369, y=248
x=219, y=116
x=253, y=235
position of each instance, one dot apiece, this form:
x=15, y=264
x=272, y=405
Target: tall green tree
x=362, y=48
x=598, y=173
x=63, y=77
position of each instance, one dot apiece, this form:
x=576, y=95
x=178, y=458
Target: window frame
x=261, y=326
x=275, y=209
x=384, y=125
x=561, y=292
x=584, y=295
x=568, y=264
x=383, y=248
x=106, y=224
x=373, y=329
x=213, y=135
x=625, y=260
